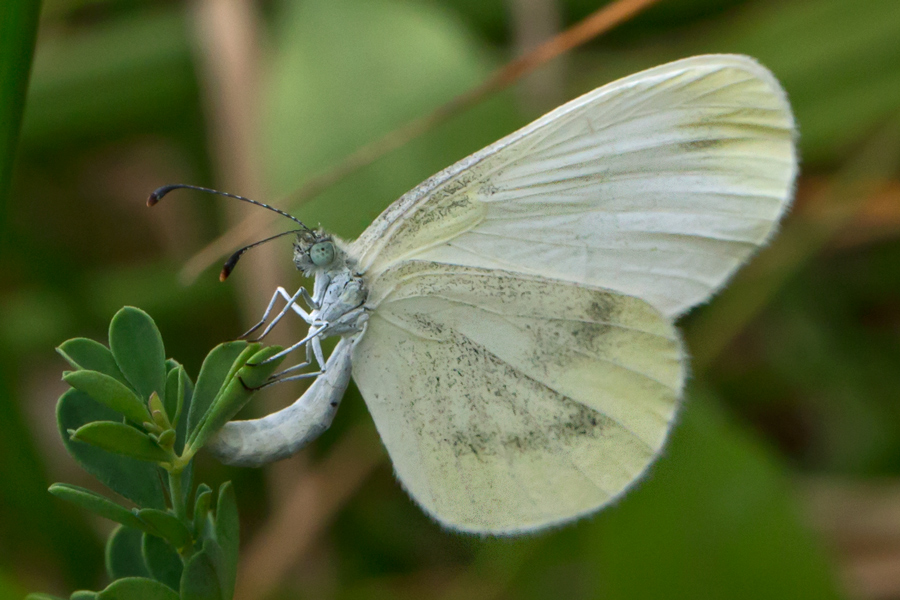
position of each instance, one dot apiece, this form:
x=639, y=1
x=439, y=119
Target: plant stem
x=177, y=494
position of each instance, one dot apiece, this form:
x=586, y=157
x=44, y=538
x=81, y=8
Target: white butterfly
x=510, y=321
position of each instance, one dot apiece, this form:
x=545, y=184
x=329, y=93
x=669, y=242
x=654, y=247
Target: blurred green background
x=783, y=476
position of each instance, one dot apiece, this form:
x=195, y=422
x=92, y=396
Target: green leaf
x=167, y=526
x=84, y=595
x=123, y=554
x=158, y=411
x=177, y=395
x=97, y=504
x=178, y=404
x=138, y=348
x=90, y=355
x=199, y=580
x=163, y=562
x=18, y=29
x=213, y=373
x=136, y=480
x=236, y=394
x=227, y=538
x=201, y=508
x=171, y=363
x=242, y=359
x=39, y=596
x=111, y=393
x=122, y=439
x=137, y=588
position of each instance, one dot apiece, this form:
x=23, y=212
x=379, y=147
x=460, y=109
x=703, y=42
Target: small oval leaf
x=137, y=588
x=175, y=394
x=121, y=439
x=227, y=537
x=167, y=526
x=123, y=554
x=137, y=346
x=138, y=481
x=215, y=369
x=84, y=595
x=83, y=353
x=199, y=580
x=162, y=561
x=109, y=392
x=236, y=393
x=96, y=503
x=201, y=508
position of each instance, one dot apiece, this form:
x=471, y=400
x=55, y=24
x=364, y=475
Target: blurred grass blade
x=18, y=30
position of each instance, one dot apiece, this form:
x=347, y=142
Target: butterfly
x=510, y=321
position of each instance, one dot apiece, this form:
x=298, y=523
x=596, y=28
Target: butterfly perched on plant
x=510, y=321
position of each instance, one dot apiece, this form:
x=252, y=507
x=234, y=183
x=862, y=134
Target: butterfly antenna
x=229, y=265
x=158, y=194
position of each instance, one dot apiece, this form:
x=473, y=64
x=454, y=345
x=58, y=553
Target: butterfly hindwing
x=509, y=402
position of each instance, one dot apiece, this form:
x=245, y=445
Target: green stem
x=177, y=494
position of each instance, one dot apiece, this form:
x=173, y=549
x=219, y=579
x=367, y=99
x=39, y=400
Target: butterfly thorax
x=338, y=292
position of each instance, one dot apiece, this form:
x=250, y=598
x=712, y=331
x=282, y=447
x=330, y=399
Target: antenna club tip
x=157, y=194
x=224, y=273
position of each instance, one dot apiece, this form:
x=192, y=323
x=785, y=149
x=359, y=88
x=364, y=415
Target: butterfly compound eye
x=321, y=254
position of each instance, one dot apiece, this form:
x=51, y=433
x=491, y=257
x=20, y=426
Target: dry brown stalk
x=585, y=30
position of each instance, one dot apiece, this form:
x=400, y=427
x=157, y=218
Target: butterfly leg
x=313, y=350
x=278, y=377
x=310, y=302
x=350, y=321
x=316, y=345
x=291, y=303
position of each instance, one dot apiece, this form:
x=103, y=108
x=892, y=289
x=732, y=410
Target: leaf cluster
x=135, y=420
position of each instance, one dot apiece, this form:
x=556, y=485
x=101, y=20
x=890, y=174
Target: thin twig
x=585, y=30
x=860, y=522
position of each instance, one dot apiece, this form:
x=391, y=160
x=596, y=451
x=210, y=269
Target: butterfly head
x=316, y=251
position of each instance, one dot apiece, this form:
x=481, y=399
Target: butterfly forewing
x=658, y=186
